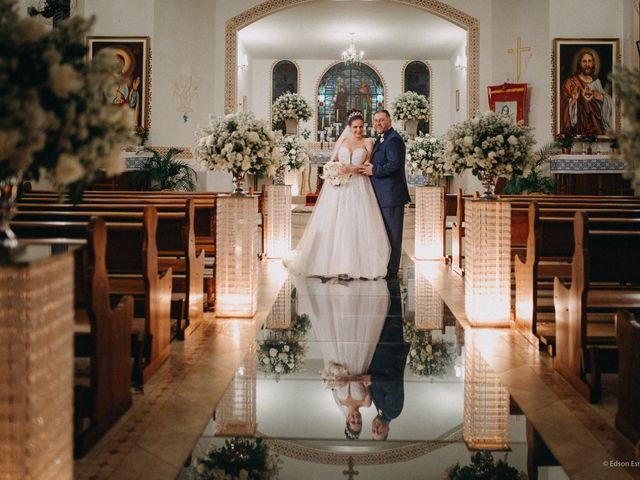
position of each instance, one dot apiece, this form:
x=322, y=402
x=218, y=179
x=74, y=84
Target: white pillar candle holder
x=429, y=223
x=488, y=262
x=429, y=307
x=278, y=213
x=36, y=373
x=236, y=256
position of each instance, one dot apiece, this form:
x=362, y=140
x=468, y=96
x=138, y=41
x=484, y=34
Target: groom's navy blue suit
x=391, y=189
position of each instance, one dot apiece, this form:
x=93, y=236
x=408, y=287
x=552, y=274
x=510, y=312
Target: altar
x=599, y=174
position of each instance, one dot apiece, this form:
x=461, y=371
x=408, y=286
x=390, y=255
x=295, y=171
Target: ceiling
x=385, y=30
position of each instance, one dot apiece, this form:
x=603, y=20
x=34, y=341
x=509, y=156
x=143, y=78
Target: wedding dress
x=345, y=235
x=347, y=320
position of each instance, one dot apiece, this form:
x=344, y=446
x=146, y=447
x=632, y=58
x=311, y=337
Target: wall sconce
x=429, y=219
x=243, y=65
x=461, y=62
x=236, y=256
x=278, y=213
x=488, y=262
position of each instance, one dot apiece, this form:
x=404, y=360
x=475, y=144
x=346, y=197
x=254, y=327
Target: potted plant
x=291, y=108
x=162, y=172
x=564, y=140
x=410, y=107
x=535, y=182
x=483, y=467
x=589, y=138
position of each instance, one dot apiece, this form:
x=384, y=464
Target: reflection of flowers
x=483, y=467
x=283, y=351
x=427, y=358
x=291, y=105
x=331, y=374
x=237, y=459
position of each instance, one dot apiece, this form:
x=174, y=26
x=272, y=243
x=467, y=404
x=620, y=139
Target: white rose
x=279, y=368
x=32, y=30
x=252, y=137
x=63, y=79
x=69, y=169
x=512, y=140
x=467, y=141
x=432, y=140
x=266, y=361
x=273, y=352
x=246, y=162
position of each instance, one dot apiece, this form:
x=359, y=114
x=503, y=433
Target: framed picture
x=583, y=97
x=133, y=89
x=509, y=99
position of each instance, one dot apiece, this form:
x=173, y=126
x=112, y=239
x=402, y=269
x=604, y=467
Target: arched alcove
x=416, y=77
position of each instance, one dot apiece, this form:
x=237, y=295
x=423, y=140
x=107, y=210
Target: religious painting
x=584, y=100
x=508, y=99
x=344, y=87
x=132, y=75
x=284, y=78
x=417, y=78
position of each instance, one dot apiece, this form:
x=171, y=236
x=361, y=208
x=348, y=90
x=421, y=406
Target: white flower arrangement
x=294, y=152
x=489, y=143
x=426, y=357
x=331, y=173
x=332, y=373
x=291, y=105
x=238, y=142
x=56, y=121
x=410, y=106
x=281, y=354
x=423, y=156
x=627, y=84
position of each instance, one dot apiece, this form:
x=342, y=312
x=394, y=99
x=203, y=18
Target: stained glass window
x=344, y=87
x=417, y=78
x=284, y=79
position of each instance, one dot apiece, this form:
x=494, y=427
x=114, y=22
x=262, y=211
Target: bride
x=345, y=236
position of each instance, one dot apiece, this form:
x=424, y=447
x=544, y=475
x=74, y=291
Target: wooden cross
x=519, y=50
x=351, y=472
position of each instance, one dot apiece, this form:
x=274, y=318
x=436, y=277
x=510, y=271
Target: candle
x=337, y=115
x=322, y=123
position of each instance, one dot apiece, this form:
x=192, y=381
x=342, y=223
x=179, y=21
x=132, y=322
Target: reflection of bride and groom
x=358, y=325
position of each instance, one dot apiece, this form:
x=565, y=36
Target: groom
x=387, y=177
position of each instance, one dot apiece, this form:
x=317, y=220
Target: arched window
x=344, y=87
x=284, y=78
x=417, y=78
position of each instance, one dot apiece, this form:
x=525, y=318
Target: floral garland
x=410, y=106
x=489, y=143
x=238, y=142
x=291, y=105
x=56, y=121
x=294, y=152
x=427, y=358
x=237, y=459
x=423, y=156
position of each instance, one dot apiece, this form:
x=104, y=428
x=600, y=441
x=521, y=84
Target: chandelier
x=351, y=56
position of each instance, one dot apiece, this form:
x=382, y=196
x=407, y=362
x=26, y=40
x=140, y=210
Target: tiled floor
x=157, y=436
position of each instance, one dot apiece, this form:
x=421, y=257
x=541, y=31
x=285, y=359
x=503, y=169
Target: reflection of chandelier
x=351, y=55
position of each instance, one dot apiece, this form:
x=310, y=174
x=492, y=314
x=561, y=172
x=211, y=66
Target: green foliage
x=162, y=172
x=483, y=467
x=239, y=458
x=535, y=182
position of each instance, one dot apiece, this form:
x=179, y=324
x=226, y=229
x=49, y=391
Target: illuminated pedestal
x=429, y=307
x=36, y=373
x=278, y=213
x=429, y=222
x=280, y=315
x=236, y=256
x=487, y=262
x=292, y=178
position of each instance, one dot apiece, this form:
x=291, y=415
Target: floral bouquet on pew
x=424, y=156
x=237, y=459
x=331, y=172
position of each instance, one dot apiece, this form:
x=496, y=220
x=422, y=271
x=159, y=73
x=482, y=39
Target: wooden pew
x=628, y=339
x=132, y=263
x=601, y=280
x=108, y=344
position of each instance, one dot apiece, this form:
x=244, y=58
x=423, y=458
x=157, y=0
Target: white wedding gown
x=347, y=320
x=345, y=234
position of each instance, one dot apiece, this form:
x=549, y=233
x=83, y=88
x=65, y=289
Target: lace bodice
x=358, y=156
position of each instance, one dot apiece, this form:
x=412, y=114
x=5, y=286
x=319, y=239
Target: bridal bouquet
x=293, y=151
x=423, y=156
x=410, y=106
x=237, y=459
x=238, y=142
x=55, y=120
x=281, y=354
x=332, y=373
x=291, y=105
x=491, y=144
x=331, y=173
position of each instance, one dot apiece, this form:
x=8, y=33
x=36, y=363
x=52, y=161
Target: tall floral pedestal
x=236, y=256
x=278, y=220
x=486, y=402
x=36, y=372
x=291, y=126
x=411, y=127
x=429, y=307
x=292, y=178
x=280, y=315
x=429, y=241
x=236, y=411
x=488, y=262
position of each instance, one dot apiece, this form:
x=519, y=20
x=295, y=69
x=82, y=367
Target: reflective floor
x=358, y=379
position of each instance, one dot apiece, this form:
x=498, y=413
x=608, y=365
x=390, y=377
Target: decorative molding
x=441, y=9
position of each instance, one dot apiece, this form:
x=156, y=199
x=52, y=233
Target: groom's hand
x=366, y=169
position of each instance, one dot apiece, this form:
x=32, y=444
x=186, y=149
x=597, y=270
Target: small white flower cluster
x=627, y=84
x=423, y=156
x=332, y=373
x=238, y=142
x=410, y=106
x=280, y=356
x=331, y=173
x=291, y=105
x=294, y=152
x=489, y=143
